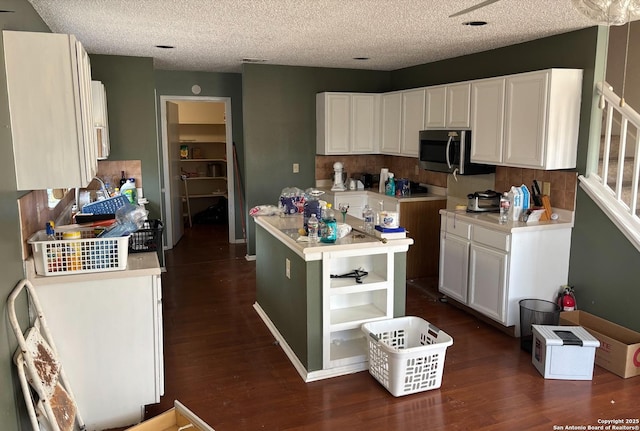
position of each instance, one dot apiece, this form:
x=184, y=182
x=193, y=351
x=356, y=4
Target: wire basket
x=106, y=206
x=147, y=238
x=76, y=256
x=406, y=354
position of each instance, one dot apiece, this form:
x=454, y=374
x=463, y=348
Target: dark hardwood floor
x=222, y=363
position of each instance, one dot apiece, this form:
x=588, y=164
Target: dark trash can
x=535, y=312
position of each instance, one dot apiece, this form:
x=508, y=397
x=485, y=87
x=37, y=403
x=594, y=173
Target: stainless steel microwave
x=449, y=151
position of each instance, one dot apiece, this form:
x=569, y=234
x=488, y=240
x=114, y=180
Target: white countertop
x=416, y=197
x=138, y=265
x=285, y=228
x=491, y=220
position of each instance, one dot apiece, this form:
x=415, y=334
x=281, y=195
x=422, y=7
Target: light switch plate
x=296, y=168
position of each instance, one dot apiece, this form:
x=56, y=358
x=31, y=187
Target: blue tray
x=106, y=206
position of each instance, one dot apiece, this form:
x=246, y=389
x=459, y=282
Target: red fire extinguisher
x=567, y=299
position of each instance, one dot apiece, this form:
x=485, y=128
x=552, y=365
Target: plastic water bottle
x=367, y=216
x=312, y=226
x=505, y=203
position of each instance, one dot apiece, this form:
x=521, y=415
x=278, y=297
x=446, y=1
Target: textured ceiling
x=217, y=35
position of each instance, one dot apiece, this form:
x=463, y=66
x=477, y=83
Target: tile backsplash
x=402, y=167
x=562, y=183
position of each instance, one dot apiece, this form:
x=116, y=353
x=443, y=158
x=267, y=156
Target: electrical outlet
x=546, y=188
x=417, y=170
x=287, y=268
x=296, y=168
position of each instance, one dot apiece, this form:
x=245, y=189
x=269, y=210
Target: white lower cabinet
x=108, y=333
x=454, y=264
x=491, y=268
x=487, y=281
x=347, y=303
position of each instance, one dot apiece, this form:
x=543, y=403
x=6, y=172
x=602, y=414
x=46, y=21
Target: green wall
x=279, y=113
x=179, y=83
x=12, y=405
x=130, y=86
x=604, y=266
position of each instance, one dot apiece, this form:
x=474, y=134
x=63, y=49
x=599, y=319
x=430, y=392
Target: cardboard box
x=563, y=352
x=619, y=350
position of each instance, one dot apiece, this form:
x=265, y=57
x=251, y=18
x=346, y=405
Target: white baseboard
x=307, y=376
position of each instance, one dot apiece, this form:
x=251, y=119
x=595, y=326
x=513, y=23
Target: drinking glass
x=343, y=207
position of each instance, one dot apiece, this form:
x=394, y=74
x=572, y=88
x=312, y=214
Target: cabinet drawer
x=455, y=226
x=491, y=238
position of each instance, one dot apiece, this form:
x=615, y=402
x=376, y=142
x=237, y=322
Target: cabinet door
x=458, y=105
x=454, y=263
x=525, y=128
x=436, y=103
x=337, y=133
x=488, y=281
x=391, y=123
x=100, y=119
x=49, y=108
x=413, y=104
x=487, y=120
x=364, y=123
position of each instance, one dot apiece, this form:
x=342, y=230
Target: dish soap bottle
x=329, y=229
x=129, y=190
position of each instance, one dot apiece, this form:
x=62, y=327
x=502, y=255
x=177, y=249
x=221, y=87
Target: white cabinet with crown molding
x=50, y=108
x=448, y=106
x=347, y=123
x=528, y=120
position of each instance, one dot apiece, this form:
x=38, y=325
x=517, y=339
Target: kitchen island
x=107, y=327
x=314, y=313
x=418, y=214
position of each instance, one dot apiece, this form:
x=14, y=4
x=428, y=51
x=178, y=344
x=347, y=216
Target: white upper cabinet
x=413, y=106
x=458, y=105
x=541, y=120
x=347, y=123
x=50, y=108
x=447, y=106
x=436, y=107
x=100, y=119
x=391, y=123
x=487, y=120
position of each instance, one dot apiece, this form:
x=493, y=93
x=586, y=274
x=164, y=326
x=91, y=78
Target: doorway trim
x=166, y=186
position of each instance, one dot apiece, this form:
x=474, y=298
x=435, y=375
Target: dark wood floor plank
x=222, y=363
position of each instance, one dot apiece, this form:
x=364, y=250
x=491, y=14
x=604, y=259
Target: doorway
x=198, y=163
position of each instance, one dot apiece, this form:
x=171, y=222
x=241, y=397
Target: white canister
x=389, y=219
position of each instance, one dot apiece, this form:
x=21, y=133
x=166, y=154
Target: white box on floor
x=563, y=352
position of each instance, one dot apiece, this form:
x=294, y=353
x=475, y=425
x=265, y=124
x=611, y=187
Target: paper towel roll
x=384, y=175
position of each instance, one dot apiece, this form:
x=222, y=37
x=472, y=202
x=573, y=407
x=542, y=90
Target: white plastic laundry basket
x=406, y=354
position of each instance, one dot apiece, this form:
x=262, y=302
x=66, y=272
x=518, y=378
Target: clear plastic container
x=505, y=203
x=368, y=217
